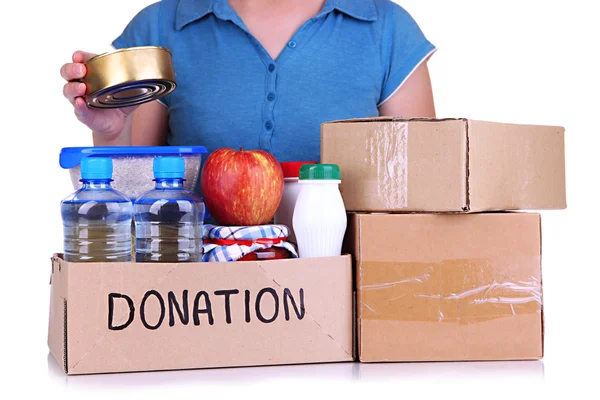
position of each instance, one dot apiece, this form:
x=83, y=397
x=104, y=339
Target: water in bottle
x=168, y=219
x=96, y=218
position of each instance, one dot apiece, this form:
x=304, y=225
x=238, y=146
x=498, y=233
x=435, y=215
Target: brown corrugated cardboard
x=262, y=313
x=448, y=287
x=452, y=165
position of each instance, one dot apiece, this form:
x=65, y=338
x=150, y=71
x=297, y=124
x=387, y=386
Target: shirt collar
x=363, y=10
x=189, y=11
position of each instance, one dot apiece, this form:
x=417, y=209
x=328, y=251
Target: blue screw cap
x=169, y=167
x=96, y=168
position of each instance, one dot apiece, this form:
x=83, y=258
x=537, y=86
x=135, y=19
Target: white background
x=527, y=61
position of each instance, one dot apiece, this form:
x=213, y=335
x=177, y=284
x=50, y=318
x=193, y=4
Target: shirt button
x=271, y=96
x=269, y=125
x=292, y=44
x=271, y=67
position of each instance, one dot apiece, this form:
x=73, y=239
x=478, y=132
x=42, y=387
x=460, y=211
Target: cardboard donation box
x=453, y=165
x=448, y=287
x=120, y=317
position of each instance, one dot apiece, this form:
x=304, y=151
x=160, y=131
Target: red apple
x=241, y=187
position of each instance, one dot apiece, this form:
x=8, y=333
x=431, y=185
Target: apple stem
x=241, y=149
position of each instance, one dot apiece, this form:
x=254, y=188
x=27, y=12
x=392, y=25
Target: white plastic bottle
x=291, y=190
x=319, y=216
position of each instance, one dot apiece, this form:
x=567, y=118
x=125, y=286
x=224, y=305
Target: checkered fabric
x=219, y=253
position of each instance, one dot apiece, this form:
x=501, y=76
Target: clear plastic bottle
x=168, y=219
x=96, y=218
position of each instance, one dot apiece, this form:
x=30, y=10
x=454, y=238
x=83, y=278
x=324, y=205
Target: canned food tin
x=129, y=77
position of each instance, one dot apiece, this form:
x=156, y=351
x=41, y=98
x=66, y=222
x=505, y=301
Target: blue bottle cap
x=169, y=167
x=96, y=168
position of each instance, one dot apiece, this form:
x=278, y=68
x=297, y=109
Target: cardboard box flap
x=394, y=119
x=516, y=166
x=387, y=238
x=57, y=322
x=399, y=166
x=143, y=317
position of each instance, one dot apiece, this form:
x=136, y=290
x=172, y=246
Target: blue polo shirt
x=343, y=63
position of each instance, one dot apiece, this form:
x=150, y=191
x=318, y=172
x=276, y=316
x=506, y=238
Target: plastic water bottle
x=97, y=218
x=168, y=219
x=319, y=215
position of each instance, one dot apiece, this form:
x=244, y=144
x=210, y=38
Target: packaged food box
x=447, y=287
x=450, y=165
x=132, y=165
x=124, y=317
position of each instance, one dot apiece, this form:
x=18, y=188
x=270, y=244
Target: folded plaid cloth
x=251, y=235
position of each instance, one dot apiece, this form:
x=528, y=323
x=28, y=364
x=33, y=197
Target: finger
x=72, y=90
x=82, y=111
x=71, y=72
x=82, y=56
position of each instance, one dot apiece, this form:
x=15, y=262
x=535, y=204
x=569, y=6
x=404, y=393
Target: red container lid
x=292, y=169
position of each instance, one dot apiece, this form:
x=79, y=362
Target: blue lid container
x=132, y=165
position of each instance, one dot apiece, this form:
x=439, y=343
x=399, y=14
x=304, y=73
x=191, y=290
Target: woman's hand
x=108, y=124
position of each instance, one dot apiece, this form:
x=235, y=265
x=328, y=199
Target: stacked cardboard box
x=441, y=275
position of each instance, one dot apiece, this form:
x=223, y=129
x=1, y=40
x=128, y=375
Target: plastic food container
x=132, y=165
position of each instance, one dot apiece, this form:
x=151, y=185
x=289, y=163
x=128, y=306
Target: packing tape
x=451, y=291
x=388, y=152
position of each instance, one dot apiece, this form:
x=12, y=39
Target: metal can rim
x=127, y=49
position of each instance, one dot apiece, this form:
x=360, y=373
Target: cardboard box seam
x=98, y=342
x=431, y=120
x=468, y=168
x=543, y=333
x=393, y=119
x=65, y=338
x=358, y=285
x=104, y=336
x=258, y=264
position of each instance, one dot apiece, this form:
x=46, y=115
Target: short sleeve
x=143, y=30
x=405, y=49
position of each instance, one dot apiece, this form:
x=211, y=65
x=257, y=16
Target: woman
x=264, y=74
